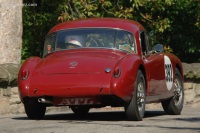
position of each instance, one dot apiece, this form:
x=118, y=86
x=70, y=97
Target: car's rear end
x=75, y=75
x=81, y=67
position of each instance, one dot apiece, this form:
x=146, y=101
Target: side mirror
x=151, y=33
x=159, y=48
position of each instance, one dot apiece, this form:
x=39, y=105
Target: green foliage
x=37, y=20
x=174, y=23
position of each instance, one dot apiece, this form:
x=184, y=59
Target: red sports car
x=100, y=62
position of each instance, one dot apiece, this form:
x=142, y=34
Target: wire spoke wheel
x=141, y=97
x=178, y=93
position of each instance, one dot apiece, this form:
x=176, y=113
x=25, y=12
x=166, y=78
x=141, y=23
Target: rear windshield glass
x=94, y=37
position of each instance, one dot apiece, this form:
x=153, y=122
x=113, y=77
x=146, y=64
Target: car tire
x=174, y=105
x=136, y=108
x=80, y=110
x=34, y=109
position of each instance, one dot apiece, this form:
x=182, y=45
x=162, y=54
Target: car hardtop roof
x=124, y=24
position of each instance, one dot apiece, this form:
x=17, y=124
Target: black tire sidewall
x=80, y=110
x=132, y=110
x=34, y=109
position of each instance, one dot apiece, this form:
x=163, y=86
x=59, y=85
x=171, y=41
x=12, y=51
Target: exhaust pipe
x=43, y=100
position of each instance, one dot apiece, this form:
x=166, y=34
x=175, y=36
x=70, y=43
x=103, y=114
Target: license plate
x=75, y=101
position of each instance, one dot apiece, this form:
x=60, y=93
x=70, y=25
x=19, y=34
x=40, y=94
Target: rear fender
x=23, y=84
x=123, y=86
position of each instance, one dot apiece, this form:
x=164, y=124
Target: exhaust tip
x=41, y=100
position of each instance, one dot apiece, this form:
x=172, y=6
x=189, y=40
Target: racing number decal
x=168, y=72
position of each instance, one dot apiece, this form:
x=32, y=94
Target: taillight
x=24, y=74
x=117, y=72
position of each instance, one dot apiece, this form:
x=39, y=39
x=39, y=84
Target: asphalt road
x=98, y=121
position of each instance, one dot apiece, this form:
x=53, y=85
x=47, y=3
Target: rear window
x=94, y=37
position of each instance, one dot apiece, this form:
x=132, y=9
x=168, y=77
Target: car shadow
x=93, y=116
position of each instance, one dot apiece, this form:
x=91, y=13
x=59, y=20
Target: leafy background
x=173, y=23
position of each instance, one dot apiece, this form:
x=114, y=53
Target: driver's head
x=74, y=44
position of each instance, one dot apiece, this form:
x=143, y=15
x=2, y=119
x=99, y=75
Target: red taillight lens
x=24, y=74
x=117, y=72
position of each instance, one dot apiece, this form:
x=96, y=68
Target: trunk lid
x=81, y=61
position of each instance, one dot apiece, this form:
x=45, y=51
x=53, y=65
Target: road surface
x=104, y=121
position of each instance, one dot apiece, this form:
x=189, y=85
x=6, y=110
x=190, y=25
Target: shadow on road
x=94, y=116
x=118, y=118
x=192, y=119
